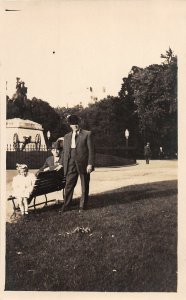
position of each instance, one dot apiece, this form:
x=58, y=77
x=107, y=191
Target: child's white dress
x=22, y=187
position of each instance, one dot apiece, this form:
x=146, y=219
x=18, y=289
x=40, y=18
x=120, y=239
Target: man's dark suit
x=75, y=162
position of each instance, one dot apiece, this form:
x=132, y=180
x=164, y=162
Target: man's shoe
x=63, y=209
x=59, y=201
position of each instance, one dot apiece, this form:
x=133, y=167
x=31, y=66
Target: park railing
x=34, y=159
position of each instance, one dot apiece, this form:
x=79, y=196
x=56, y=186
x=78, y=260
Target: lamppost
x=48, y=137
x=126, y=136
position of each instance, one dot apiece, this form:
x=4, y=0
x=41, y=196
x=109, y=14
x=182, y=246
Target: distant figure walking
x=147, y=153
x=161, y=153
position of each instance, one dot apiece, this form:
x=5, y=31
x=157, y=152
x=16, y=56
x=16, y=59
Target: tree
x=146, y=105
x=35, y=110
x=168, y=56
x=153, y=90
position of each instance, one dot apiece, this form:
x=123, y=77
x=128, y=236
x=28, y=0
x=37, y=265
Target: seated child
x=22, y=185
x=53, y=162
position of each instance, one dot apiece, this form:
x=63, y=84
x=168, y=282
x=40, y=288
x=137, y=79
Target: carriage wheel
x=38, y=141
x=16, y=141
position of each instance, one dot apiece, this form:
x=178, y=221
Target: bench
x=46, y=182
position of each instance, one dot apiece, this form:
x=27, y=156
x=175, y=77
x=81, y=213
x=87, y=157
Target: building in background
x=23, y=134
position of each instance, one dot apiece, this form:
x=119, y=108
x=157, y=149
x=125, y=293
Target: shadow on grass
x=133, y=193
x=124, y=195
x=133, y=244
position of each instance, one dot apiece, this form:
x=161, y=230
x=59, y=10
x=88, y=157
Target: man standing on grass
x=78, y=160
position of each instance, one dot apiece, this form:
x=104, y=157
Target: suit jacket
x=50, y=163
x=147, y=150
x=84, y=150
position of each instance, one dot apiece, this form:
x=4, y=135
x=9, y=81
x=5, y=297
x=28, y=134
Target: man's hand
x=89, y=169
x=46, y=169
x=58, y=168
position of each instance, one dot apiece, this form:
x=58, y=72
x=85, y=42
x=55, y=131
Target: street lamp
x=126, y=136
x=48, y=137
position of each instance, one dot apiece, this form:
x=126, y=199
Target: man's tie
x=74, y=137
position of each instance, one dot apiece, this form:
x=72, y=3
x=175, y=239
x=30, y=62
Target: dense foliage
x=146, y=105
x=153, y=90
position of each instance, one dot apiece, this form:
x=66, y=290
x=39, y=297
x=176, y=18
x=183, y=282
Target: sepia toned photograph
x=90, y=146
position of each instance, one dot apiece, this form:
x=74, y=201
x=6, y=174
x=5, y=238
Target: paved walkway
x=107, y=179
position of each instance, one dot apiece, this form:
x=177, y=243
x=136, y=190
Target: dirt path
x=107, y=179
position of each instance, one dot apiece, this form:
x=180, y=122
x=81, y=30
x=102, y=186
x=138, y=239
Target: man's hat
x=60, y=142
x=73, y=119
x=54, y=146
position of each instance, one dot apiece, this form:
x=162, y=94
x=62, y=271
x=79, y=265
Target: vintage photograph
x=91, y=145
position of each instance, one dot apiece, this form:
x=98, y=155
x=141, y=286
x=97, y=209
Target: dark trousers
x=147, y=159
x=71, y=181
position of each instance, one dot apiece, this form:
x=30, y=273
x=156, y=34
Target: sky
x=62, y=48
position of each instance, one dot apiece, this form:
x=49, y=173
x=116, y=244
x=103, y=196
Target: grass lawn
x=131, y=245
